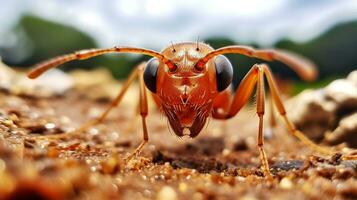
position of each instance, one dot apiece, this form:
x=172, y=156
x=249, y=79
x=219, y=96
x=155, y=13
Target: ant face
x=186, y=93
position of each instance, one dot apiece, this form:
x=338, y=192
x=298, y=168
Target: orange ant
x=190, y=82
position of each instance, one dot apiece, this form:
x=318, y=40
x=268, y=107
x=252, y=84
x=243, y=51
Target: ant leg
x=143, y=112
x=272, y=118
x=260, y=111
x=243, y=92
x=279, y=105
x=98, y=120
x=256, y=77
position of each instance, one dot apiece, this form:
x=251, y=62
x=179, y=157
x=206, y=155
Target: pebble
x=167, y=193
x=54, y=82
x=285, y=183
x=353, y=77
x=345, y=131
x=343, y=93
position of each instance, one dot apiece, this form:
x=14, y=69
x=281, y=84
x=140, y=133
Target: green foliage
x=49, y=39
x=334, y=52
x=299, y=86
x=121, y=66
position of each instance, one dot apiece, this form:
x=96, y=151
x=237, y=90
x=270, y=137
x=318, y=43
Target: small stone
x=50, y=125
x=287, y=165
x=345, y=132
x=226, y=152
x=311, y=113
x=285, y=183
x=343, y=93
x=240, y=145
x=326, y=172
x=167, y=193
x=353, y=77
x=54, y=82
x=110, y=166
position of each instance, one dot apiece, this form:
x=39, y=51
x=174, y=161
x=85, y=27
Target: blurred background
x=323, y=30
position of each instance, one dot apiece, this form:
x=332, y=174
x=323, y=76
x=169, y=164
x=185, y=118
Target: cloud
x=154, y=23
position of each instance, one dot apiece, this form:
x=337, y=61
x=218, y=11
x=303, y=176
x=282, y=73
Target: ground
x=221, y=163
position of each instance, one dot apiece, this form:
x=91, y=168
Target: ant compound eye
x=200, y=65
x=224, y=72
x=172, y=66
x=150, y=74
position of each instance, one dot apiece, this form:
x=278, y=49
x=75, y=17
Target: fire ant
x=190, y=82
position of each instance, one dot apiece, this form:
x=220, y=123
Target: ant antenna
x=198, y=47
x=173, y=47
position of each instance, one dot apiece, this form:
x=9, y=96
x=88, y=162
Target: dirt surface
x=221, y=163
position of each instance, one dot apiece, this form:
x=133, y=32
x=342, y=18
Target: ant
x=190, y=82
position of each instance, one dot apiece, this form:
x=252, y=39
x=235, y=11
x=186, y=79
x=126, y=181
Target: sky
x=155, y=23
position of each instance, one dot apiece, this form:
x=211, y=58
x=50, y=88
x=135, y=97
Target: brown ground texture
x=221, y=163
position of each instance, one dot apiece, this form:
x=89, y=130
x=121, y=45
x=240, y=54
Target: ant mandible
x=190, y=82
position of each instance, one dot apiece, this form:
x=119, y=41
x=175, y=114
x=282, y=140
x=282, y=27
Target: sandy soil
x=221, y=163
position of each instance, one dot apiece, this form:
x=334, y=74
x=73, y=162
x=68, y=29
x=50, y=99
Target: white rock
x=343, y=92
x=353, y=77
x=54, y=82
x=346, y=131
x=167, y=193
x=311, y=113
x=329, y=112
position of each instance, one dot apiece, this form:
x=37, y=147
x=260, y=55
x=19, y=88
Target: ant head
x=189, y=60
x=185, y=89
